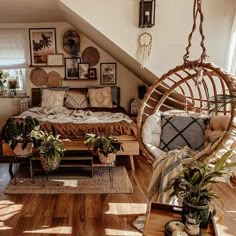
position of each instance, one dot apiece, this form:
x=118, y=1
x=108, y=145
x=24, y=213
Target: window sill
x=17, y=96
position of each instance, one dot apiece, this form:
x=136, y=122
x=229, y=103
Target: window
x=17, y=75
x=13, y=56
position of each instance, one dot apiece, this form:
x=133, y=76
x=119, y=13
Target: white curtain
x=12, y=48
x=231, y=59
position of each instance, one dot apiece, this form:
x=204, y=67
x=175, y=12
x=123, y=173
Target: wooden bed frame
x=130, y=143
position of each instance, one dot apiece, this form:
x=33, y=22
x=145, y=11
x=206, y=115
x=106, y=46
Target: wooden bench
x=130, y=145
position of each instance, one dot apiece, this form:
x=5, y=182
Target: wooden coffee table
x=160, y=214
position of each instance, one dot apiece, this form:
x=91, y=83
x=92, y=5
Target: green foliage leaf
x=222, y=161
x=104, y=144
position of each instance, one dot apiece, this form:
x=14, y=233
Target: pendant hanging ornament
x=144, y=47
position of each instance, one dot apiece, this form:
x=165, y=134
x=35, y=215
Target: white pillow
x=151, y=133
x=151, y=130
x=52, y=98
x=100, y=97
x=76, y=100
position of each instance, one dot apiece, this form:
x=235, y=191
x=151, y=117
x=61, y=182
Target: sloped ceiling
x=29, y=11
x=107, y=45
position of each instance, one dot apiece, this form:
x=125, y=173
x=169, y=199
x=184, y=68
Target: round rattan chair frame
x=180, y=89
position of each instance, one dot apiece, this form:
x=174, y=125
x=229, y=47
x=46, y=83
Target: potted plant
x=194, y=184
x=3, y=81
x=107, y=146
x=16, y=132
x=50, y=147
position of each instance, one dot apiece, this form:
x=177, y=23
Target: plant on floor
x=17, y=132
x=194, y=185
x=50, y=147
x=106, y=145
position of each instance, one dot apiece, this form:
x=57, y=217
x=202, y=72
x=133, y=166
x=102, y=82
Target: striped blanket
x=165, y=168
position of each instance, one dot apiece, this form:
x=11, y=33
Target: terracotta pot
x=54, y=163
x=23, y=152
x=4, y=92
x=107, y=160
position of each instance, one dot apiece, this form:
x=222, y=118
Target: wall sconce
x=147, y=13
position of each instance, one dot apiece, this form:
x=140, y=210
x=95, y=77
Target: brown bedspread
x=77, y=131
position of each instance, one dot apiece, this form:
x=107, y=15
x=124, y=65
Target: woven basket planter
x=107, y=160
x=54, y=163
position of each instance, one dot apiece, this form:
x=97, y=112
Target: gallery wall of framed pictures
x=85, y=65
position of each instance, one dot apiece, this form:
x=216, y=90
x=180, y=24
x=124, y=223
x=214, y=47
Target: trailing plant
x=74, y=49
x=19, y=131
x=104, y=144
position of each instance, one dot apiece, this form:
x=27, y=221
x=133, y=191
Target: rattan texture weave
x=194, y=96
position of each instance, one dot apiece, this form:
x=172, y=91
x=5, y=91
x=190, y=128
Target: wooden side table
x=160, y=214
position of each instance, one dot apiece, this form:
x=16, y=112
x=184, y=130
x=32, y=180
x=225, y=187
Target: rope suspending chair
x=195, y=82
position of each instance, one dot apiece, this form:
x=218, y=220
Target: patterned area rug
x=99, y=183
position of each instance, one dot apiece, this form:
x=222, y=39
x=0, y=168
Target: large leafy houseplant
x=194, y=184
x=17, y=133
x=106, y=145
x=50, y=147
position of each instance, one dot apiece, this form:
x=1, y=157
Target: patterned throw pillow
x=100, y=97
x=180, y=131
x=76, y=100
x=51, y=98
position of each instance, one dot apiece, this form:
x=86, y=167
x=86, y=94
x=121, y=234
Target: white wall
x=118, y=21
x=125, y=79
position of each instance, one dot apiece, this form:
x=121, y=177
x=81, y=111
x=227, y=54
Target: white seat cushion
x=151, y=132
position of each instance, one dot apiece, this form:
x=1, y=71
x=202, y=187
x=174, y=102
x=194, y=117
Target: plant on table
x=194, y=184
x=50, y=147
x=17, y=133
x=107, y=146
x=3, y=80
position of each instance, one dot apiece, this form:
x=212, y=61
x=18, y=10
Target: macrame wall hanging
x=144, y=47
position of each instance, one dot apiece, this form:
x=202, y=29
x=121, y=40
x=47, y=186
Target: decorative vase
x=202, y=211
x=20, y=152
x=49, y=164
x=107, y=160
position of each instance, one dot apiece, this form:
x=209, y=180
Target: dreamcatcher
x=144, y=47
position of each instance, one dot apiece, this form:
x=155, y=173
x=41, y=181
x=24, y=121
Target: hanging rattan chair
x=195, y=82
x=188, y=87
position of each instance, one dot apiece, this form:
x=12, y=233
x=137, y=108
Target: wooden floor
x=77, y=214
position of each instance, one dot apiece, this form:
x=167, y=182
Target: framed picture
x=42, y=43
x=55, y=59
x=71, y=67
x=83, y=69
x=108, y=73
x=92, y=73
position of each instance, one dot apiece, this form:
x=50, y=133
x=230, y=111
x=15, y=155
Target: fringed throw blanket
x=165, y=168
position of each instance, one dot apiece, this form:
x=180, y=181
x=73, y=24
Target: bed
x=73, y=123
